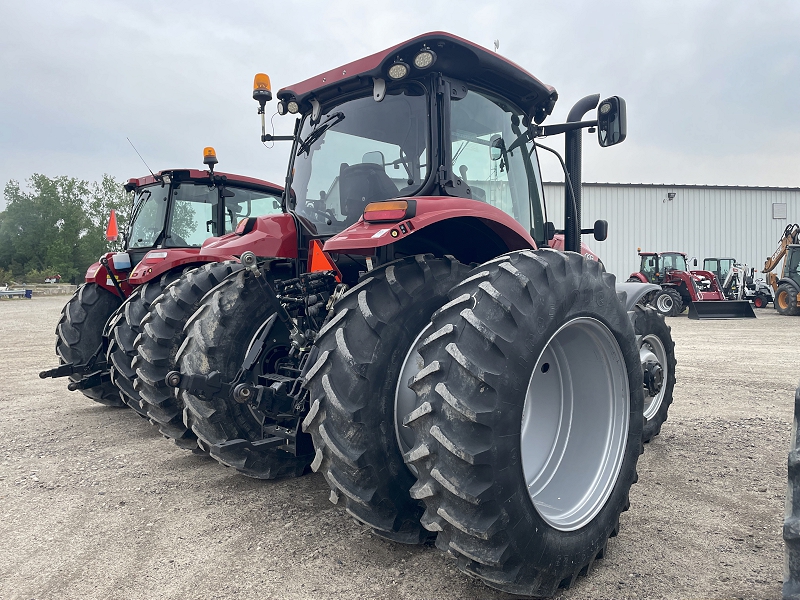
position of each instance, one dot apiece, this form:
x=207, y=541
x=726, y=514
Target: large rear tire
x=791, y=517
x=529, y=420
x=353, y=387
x=657, y=355
x=218, y=336
x=786, y=300
x=126, y=325
x=159, y=340
x=80, y=332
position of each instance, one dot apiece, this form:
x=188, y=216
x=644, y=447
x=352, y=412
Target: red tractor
x=407, y=330
x=173, y=213
x=680, y=288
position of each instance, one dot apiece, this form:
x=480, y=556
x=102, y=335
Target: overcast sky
x=710, y=85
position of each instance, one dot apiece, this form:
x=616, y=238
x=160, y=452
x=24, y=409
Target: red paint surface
x=272, y=236
x=98, y=274
x=557, y=243
x=432, y=209
x=373, y=66
x=149, y=268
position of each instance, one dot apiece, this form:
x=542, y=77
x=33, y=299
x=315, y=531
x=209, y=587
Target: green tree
x=58, y=224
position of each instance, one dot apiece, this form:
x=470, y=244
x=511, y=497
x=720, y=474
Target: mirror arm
x=276, y=138
x=545, y=130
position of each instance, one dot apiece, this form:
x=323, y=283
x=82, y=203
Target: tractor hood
x=453, y=56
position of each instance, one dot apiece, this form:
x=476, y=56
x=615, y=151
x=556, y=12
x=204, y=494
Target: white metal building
x=701, y=220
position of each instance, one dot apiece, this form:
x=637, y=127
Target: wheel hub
x=575, y=423
x=653, y=377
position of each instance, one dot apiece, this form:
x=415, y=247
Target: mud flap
x=721, y=309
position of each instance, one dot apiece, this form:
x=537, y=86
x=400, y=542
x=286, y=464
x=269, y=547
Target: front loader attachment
x=721, y=309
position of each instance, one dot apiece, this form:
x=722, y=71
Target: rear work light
x=390, y=211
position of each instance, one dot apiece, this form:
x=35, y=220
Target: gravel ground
x=95, y=504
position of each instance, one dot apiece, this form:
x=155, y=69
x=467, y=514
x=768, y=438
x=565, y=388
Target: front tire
x=668, y=302
x=80, y=332
x=353, y=387
x=786, y=300
x=528, y=421
x=655, y=346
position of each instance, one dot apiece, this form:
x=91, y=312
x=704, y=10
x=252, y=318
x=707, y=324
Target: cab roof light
x=293, y=107
x=389, y=211
x=398, y=70
x=424, y=58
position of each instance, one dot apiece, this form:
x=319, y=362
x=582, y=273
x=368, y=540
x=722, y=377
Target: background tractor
x=698, y=290
x=737, y=281
x=787, y=288
x=458, y=377
x=173, y=212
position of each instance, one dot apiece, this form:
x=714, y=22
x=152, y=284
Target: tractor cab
x=791, y=269
x=183, y=208
x=655, y=266
x=433, y=140
x=720, y=267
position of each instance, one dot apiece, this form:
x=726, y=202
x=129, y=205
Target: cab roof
x=455, y=57
x=198, y=175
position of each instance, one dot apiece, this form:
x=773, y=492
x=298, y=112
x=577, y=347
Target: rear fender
x=272, y=236
x=470, y=230
x=634, y=292
x=98, y=274
x=557, y=243
x=790, y=282
x=640, y=277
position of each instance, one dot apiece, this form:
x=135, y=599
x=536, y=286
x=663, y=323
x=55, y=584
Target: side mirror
x=549, y=231
x=694, y=262
x=375, y=158
x=612, y=122
x=496, y=147
x=600, y=230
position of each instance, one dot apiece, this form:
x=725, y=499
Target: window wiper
x=305, y=145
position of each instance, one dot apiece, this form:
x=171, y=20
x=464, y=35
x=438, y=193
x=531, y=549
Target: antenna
x=140, y=156
x=496, y=45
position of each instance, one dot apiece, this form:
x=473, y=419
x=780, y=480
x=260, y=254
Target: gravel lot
x=95, y=504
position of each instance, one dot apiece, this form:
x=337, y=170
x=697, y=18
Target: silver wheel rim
x=405, y=399
x=575, y=424
x=652, y=348
x=664, y=303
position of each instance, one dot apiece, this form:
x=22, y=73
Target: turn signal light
x=391, y=210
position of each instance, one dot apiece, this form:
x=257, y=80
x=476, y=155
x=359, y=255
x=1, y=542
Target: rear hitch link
x=277, y=396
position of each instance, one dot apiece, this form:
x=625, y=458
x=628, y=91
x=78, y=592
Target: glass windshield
x=492, y=154
x=149, y=213
x=371, y=151
x=674, y=261
x=248, y=203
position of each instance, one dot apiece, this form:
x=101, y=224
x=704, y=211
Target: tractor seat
x=361, y=184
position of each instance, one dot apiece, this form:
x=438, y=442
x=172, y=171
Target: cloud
x=710, y=86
